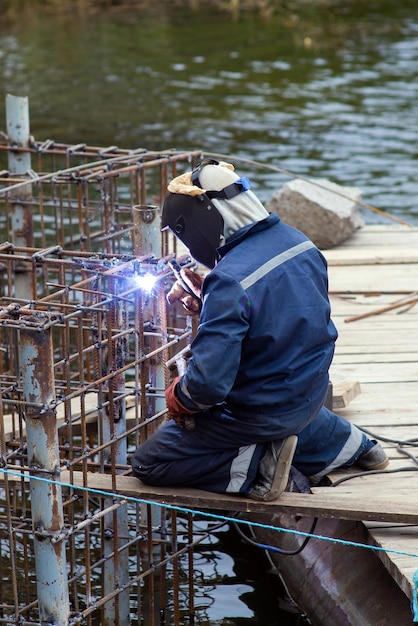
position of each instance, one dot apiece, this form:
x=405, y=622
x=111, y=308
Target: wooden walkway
x=377, y=349
x=375, y=268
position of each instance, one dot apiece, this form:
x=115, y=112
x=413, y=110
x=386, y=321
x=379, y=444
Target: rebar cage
x=83, y=347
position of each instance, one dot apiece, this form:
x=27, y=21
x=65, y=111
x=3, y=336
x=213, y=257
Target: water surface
x=322, y=89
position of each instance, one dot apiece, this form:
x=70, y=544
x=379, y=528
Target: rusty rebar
x=84, y=211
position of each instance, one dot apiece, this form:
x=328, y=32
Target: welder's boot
x=374, y=458
x=273, y=471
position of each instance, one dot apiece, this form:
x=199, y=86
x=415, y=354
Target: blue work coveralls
x=258, y=371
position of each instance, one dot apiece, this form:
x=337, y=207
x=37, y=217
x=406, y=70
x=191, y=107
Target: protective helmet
x=197, y=223
x=194, y=218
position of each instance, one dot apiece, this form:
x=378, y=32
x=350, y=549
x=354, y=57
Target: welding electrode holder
x=177, y=273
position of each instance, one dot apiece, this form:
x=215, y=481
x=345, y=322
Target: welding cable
x=267, y=549
x=398, y=470
x=406, y=453
x=270, y=548
x=210, y=528
x=269, y=559
x=405, y=442
x=400, y=443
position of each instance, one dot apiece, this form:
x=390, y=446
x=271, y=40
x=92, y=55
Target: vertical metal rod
x=116, y=530
x=17, y=123
x=147, y=240
x=151, y=582
x=37, y=371
x=191, y=569
x=176, y=571
x=12, y=537
x=147, y=229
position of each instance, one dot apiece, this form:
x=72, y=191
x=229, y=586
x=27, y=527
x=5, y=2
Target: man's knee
x=137, y=463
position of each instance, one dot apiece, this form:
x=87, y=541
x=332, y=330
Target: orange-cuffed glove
x=176, y=410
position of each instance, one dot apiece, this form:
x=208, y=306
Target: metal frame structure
x=83, y=348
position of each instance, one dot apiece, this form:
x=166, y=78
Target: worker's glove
x=193, y=281
x=176, y=410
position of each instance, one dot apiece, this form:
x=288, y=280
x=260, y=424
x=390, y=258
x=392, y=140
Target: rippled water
x=320, y=89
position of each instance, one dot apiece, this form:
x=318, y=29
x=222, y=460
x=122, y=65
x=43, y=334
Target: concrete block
x=326, y=212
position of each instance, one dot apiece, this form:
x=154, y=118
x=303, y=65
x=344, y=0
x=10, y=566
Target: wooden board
x=344, y=392
x=370, y=256
x=382, y=237
x=380, y=351
x=374, y=372
x=373, y=278
x=329, y=503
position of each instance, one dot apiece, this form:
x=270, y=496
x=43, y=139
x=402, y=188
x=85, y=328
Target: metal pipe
x=17, y=121
x=147, y=240
x=115, y=526
x=146, y=234
x=37, y=371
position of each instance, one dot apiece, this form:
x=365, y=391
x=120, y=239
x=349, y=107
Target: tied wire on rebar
x=75, y=283
x=83, y=322
x=71, y=281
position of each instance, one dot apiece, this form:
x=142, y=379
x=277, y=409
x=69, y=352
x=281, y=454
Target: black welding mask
x=198, y=220
x=197, y=223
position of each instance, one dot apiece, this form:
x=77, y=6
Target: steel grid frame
x=97, y=386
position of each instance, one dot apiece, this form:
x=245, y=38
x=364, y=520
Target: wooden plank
x=373, y=350
x=403, y=325
x=378, y=323
x=324, y=502
x=404, y=539
x=372, y=278
x=360, y=334
x=403, y=433
x=371, y=256
x=379, y=236
x=330, y=504
x=376, y=372
x=344, y=392
x=346, y=299
x=371, y=421
x=386, y=483
x=400, y=320
x=410, y=313
x=395, y=416
x=390, y=396
x=391, y=357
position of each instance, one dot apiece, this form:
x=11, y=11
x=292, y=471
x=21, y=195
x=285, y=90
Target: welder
x=258, y=375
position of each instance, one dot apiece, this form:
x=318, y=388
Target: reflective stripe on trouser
x=220, y=455
x=192, y=458
x=328, y=442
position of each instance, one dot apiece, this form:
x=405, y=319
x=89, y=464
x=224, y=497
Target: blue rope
x=225, y=518
x=414, y=602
